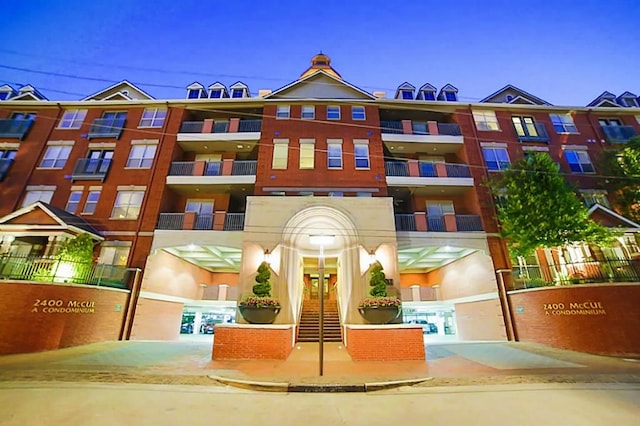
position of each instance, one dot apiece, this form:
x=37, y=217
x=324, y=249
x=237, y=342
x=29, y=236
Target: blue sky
x=566, y=52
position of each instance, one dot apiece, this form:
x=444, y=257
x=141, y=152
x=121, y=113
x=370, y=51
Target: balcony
x=618, y=134
x=234, y=135
x=226, y=172
x=220, y=221
x=15, y=128
x=535, y=132
x=414, y=136
x=91, y=169
x=5, y=165
x=421, y=222
x=428, y=177
x=106, y=128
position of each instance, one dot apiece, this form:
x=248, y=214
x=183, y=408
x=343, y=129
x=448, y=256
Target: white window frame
x=335, y=144
x=57, y=155
x=91, y=202
x=72, y=119
x=283, y=112
x=75, y=197
x=127, y=205
x=141, y=156
x=309, y=114
x=33, y=195
x=500, y=167
x=486, y=120
x=307, y=154
x=362, y=145
x=583, y=160
x=564, y=121
x=154, y=120
x=280, y=154
x=331, y=112
x=114, y=253
x=358, y=113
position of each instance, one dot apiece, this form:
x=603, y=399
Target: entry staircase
x=309, y=327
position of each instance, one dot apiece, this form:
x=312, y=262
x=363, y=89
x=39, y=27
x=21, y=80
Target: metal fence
x=62, y=271
x=250, y=125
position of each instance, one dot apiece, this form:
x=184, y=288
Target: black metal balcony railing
x=449, y=129
x=436, y=224
x=420, y=128
x=213, y=168
x=15, y=128
x=234, y=222
x=91, y=169
x=391, y=127
x=106, y=128
x=396, y=168
x=62, y=271
x=250, y=126
x=220, y=127
x=619, y=134
x=536, y=134
x=405, y=222
x=468, y=222
x=244, y=168
x=203, y=222
x=5, y=165
x=191, y=126
x=171, y=221
x=182, y=168
x=457, y=170
x=531, y=276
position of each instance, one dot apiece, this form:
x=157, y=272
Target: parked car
x=427, y=327
x=186, y=328
x=207, y=329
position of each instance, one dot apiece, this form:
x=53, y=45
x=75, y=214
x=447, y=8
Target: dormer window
x=216, y=94
x=450, y=96
x=448, y=93
x=509, y=98
x=631, y=102
x=237, y=93
x=4, y=96
x=196, y=91
x=429, y=95
x=406, y=94
x=405, y=91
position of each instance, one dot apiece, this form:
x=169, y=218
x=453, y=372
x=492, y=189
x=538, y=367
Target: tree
x=378, y=281
x=78, y=249
x=263, y=288
x=622, y=165
x=539, y=209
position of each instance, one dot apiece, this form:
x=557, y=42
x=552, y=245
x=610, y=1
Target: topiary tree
x=377, y=281
x=263, y=288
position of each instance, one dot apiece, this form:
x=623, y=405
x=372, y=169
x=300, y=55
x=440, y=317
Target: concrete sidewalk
x=189, y=363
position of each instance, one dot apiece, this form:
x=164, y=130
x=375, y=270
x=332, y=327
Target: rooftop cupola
x=320, y=62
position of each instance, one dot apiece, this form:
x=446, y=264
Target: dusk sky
x=566, y=52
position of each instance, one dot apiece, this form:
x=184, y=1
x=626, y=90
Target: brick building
x=194, y=193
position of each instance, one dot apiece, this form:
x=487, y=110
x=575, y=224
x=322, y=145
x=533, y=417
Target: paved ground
x=189, y=363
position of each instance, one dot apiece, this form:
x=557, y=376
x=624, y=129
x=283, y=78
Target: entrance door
x=315, y=286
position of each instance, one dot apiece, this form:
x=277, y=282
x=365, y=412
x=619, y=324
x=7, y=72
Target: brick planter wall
x=385, y=343
x=595, y=318
x=252, y=341
x=39, y=317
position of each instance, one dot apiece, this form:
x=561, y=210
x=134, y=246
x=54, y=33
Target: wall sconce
x=267, y=256
x=372, y=257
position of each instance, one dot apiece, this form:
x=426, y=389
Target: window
x=486, y=120
x=72, y=119
x=127, y=205
x=114, y=254
x=307, y=153
x=141, y=156
x=74, y=202
x=592, y=197
x=334, y=155
x=361, y=154
x=333, y=113
x=33, y=195
x=193, y=93
x=579, y=161
x=450, y=96
x=407, y=94
x=336, y=194
x=7, y=154
x=153, y=117
x=280, y=154
x=204, y=213
x=55, y=157
x=308, y=112
x=98, y=162
x=215, y=93
x=283, y=112
x=114, y=115
x=429, y=95
x=357, y=113
x=439, y=208
x=609, y=122
x=563, y=123
x=91, y=202
x=525, y=126
x=631, y=102
x=496, y=158
x=237, y=93
x=23, y=116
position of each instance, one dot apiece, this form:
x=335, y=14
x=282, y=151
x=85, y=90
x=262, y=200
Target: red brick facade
x=385, y=343
x=252, y=342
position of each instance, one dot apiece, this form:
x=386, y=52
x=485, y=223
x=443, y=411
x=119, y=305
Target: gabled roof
x=518, y=95
x=319, y=85
x=5, y=88
x=58, y=220
x=219, y=86
x=28, y=92
x=427, y=87
x=195, y=85
x=604, y=96
x=627, y=94
x=608, y=217
x=238, y=85
x=623, y=98
x=126, y=88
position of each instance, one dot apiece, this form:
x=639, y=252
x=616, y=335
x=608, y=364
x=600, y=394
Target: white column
x=197, y=322
x=415, y=293
x=222, y=291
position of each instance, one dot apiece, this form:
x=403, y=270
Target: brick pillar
x=227, y=167
x=414, y=168
x=450, y=223
x=433, y=127
x=407, y=128
x=421, y=221
x=218, y=221
x=198, y=168
x=207, y=126
x=441, y=170
x=189, y=220
x=234, y=124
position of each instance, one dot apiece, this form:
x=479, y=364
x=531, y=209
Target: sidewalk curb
x=253, y=385
x=375, y=386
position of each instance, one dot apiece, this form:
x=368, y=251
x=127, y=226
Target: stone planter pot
x=380, y=315
x=254, y=315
